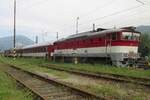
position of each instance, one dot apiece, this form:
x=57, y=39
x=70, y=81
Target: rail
x=108, y=76
x=44, y=84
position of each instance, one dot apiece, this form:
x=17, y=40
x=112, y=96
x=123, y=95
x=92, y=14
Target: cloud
x=35, y=17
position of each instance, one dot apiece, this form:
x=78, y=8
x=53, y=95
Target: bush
x=144, y=47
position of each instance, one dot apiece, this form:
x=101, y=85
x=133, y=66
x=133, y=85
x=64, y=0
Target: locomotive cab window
x=114, y=36
x=136, y=36
x=130, y=36
x=127, y=35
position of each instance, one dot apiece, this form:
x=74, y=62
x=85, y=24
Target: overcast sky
x=46, y=17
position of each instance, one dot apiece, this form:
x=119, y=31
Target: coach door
x=108, y=44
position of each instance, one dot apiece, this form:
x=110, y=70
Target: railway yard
x=74, y=50
x=49, y=81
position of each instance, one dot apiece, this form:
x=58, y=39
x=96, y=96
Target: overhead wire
x=92, y=11
x=116, y=13
x=97, y=8
x=108, y=3
x=129, y=9
x=112, y=14
x=123, y=19
x=99, y=18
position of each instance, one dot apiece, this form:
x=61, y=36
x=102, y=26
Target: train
x=115, y=46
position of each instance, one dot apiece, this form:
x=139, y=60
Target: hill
x=143, y=28
x=7, y=42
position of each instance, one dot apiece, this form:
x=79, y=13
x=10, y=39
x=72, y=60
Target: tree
x=144, y=47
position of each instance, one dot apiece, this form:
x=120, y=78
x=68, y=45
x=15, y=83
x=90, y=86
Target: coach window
x=114, y=36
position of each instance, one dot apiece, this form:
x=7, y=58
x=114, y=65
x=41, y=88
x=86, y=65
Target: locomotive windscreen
x=130, y=36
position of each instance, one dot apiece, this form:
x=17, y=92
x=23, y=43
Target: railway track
x=47, y=88
x=107, y=76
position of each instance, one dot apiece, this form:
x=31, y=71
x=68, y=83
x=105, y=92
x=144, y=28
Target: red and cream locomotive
x=117, y=45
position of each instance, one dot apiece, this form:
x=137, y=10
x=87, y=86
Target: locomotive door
x=108, y=44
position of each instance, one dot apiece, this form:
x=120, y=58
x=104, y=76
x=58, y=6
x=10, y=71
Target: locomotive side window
x=130, y=36
x=126, y=35
x=136, y=36
x=114, y=36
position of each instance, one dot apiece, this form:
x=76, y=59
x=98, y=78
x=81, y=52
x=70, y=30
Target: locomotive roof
x=90, y=33
x=93, y=33
x=37, y=45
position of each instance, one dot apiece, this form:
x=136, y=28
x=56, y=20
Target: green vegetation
x=9, y=91
x=107, y=69
x=144, y=47
x=97, y=68
x=102, y=88
x=27, y=64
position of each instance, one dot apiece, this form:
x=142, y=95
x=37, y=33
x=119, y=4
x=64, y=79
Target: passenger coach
x=35, y=50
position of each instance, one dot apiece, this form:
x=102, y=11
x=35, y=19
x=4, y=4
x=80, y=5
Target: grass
x=109, y=90
x=9, y=91
x=97, y=68
x=31, y=66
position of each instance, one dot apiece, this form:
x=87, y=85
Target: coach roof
x=38, y=45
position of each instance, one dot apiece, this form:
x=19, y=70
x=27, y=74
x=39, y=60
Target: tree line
x=144, y=48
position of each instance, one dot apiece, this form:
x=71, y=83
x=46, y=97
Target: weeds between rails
x=107, y=91
x=96, y=68
x=98, y=74
x=107, y=76
x=84, y=94
x=10, y=90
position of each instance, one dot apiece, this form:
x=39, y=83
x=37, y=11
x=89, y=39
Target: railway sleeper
x=39, y=79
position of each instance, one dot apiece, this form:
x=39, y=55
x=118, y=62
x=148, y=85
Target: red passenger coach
x=119, y=46
x=35, y=50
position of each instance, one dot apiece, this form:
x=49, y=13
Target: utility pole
x=54, y=55
x=57, y=36
x=93, y=27
x=14, y=40
x=140, y=2
x=36, y=39
x=77, y=25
